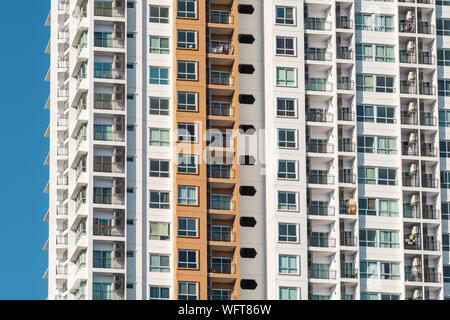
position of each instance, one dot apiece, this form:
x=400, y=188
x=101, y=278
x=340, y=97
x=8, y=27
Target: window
x=159, y=75
x=101, y=291
x=287, y=201
x=186, y=132
x=379, y=296
x=444, y=118
x=284, y=15
x=364, y=82
x=130, y=35
x=287, y=169
x=187, y=101
x=187, y=163
x=445, y=208
x=159, y=14
x=186, y=8
x=386, y=145
x=285, y=45
x=159, y=231
x=385, y=114
x=187, y=195
x=186, y=39
x=444, y=88
x=383, y=23
x=187, y=70
x=364, y=52
x=287, y=264
x=443, y=27
x=187, y=227
x=159, y=200
x=446, y=242
x=159, y=45
x=103, y=132
x=367, y=207
x=287, y=138
x=363, y=21
x=378, y=238
x=288, y=293
x=387, y=208
x=444, y=149
x=286, y=108
x=102, y=259
x=366, y=175
x=387, y=176
x=103, y=39
x=159, y=263
x=220, y=294
x=159, y=293
x=187, y=259
x=130, y=5
x=366, y=144
x=187, y=291
x=286, y=76
x=445, y=179
x=380, y=270
x=384, y=84
x=365, y=113
x=443, y=57
x=159, y=168
x=369, y=269
x=159, y=137
x=384, y=53
x=371, y=52
x=447, y=274
x=287, y=232
x=159, y=106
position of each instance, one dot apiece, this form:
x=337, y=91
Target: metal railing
x=322, y=274
x=427, y=89
x=410, y=150
x=222, y=204
x=109, y=136
x=407, y=57
x=320, y=179
x=317, y=24
x=345, y=146
x=345, y=84
x=105, y=9
x=430, y=244
x=344, y=53
x=321, y=242
x=410, y=180
x=346, y=115
x=221, y=236
x=349, y=273
x=220, y=18
x=348, y=241
x=425, y=27
x=319, y=116
x=410, y=212
x=409, y=119
x=108, y=231
x=317, y=54
x=221, y=49
x=429, y=182
x=344, y=22
x=428, y=151
x=319, y=147
x=62, y=180
x=221, y=171
x=347, y=177
x=111, y=167
x=320, y=210
x=429, y=211
x=408, y=88
x=222, y=268
x=100, y=198
x=61, y=239
x=426, y=58
x=318, y=85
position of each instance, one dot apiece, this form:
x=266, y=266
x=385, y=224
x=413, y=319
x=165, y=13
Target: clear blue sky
x=23, y=94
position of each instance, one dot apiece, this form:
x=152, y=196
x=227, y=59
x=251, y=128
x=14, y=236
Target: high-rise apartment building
x=216, y=149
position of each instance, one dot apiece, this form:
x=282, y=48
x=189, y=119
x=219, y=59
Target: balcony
x=220, y=234
x=320, y=210
x=61, y=269
x=414, y=276
x=407, y=87
x=321, y=242
x=319, y=24
x=319, y=147
x=344, y=83
x=408, y=118
x=344, y=53
x=101, y=103
x=412, y=243
x=319, y=116
x=347, y=177
x=430, y=212
x=430, y=244
x=63, y=5
x=426, y=88
x=407, y=57
x=62, y=180
x=407, y=27
x=346, y=115
x=344, y=22
x=324, y=179
x=220, y=109
x=61, y=240
x=220, y=171
x=108, y=9
x=428, y=150
x=221, y=202
x=220, y=17
x=109, y=136
x=222, y=268
x=63, y=92
x=221, y=48
x=61, y=210
x=426, y=58
x=410, y=150
x=322, y=274
x=410, y=212
x=431, y=275
x=220, y=79
x=317, y=54
x=427, y=119
x=428, y=181
x=318, y=85
x=349, y=273
x=109, y=167
x=410, y=181
x=425, y=27
x=346, y=146
x=100, y=198
x=348, y=240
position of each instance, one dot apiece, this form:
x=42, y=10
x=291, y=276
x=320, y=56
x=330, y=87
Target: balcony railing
x=415, y=276
x=221, y=268
x=345, y=83
x=221, y=49
x=61, y=269
x=318, y=85
x=429, y=151
x=344, y=22
x=320, y=210
x=426, y=119
x=220, y=171
x=431, y=275
x=321, y=242
x=316, y=116
x=348, y=241
x=108, y=105
x=220, y=80
x=322, y=274
x=430, y=244
x=344, y=53
x=319, y=147
x=61, y=239
x=61, y=210
x=112, y=167
x=220, y=17
x=409, y=119
x=426, y=58
x=410, y=212
x=106, y=9
x=100, y=198
x=320, y=179
x=429, y=211
x=108, y=231
x=408, y=88
x=62, y=151
x=346, y=115
x=407, y=57
x=222, y=109
x=426, y=88
x=345, y=146
x=410, y=150
x=221, y=236
x=347, y=177
x=410, y=180
x=221, y=204
x=412, y=244
x=318, y=54
x=425, y=27
x=349, y=273
x=62, y=180
x=429, y=182
x=317, y=24
x=109, y=136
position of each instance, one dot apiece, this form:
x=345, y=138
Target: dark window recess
x=130, y=96
x=130, y=5
x=247, y=222
x=246, y=38
x=246, y=8
x=248, y=253
x=247, y=129
x=247, y=160
x=248, y=284
x=130, y=35
x=247, y=191
x=246, y=68
x=130, y=159
x=130, y=190
x=246, y=99
x=130, y=285
x=130, y=65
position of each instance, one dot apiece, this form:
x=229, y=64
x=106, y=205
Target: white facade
x=347, y=94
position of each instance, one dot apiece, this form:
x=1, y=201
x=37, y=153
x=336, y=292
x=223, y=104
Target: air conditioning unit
x=413, y=169
x=409, y=15
x=411, y=76
x=417, y=295
x=118, y=94
x=412, y=107
x=411, y=46
x=415, y=230
x=412, y=138
x=416, y=265
x=414, y=200
x=118, y=250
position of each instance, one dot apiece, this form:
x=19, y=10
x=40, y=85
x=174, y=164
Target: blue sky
x=23, y=204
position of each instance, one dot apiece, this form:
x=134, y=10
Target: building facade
x=217, y=150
